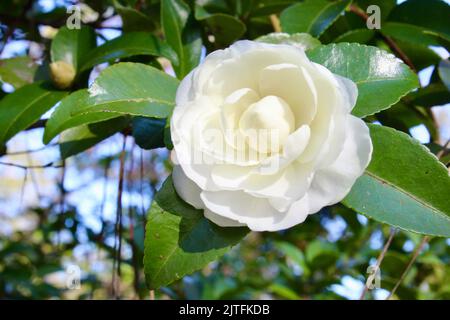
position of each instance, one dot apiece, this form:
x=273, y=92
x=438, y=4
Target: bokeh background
x=52, y=219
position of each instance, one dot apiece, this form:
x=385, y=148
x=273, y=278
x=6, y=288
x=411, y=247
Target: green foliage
x=381, y=78
x=404, y=185
x=180, y=240
x=125, y=86
x=311, y=16
x=181, y=34
x=129, y=45
x=72, y=46
x=122, y=89
x=25, y=106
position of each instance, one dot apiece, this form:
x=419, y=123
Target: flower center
x=267, y=123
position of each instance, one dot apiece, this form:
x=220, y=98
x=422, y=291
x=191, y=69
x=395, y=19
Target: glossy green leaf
x=180, y=240
x=311, y=16
x=148, y=132
x=79, y=139
x=430, y=15
x=356, y=35
x=72, y=45
x=122, y=89
x=303, y=41
x=23, y=107
x=404, y=186
x=181, y=34
x=225, y=28
x=382, y=79
x=128, y=45
x=17, y=71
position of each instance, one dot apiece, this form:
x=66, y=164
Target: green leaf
x=79, y=139
x=410, y=33
x=23, y=107
x=382, y=79
x=225, y=28
x=430, y=15
x=303, y=41
x=311, y=16
x=134, y=20
x=128, y=45
x=148, y=132
x=435, y=94
x=180, y=240
x=72, y=46
x=181, y=35
x=356, y=35
x=17, y=71
x=444, y=72
x=122, y=89
x=404, y=186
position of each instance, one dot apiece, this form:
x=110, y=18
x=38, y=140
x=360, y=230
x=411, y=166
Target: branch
x=48, y=165
x=118, y=227
x=410, y=264
x=380, y=259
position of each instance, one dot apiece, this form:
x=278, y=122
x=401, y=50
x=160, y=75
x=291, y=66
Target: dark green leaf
x=431, y=15
x=148, y=133
x=311, y=16
x=225, y=28
x=122, y=89
x=128, y=45
x=382, y=79
x=79, y=139
x=444, y=72
x=434, y=94
x=134, y=20
x=404, y=186
x=180, y=240
x=181, y=35
x=23, y=107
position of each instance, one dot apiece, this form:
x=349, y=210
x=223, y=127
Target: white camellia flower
x=263, y=137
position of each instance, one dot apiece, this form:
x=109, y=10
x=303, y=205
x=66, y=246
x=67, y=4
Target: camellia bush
x=278, y=116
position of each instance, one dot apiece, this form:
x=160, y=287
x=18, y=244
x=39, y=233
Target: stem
x=118, y=229
x=380, y=259
x=410, y=264
x=275, y=23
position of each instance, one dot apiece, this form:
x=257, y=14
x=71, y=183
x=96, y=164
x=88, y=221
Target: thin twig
x=24, y=167
x=444, y=148
x=275, y=23
x=410, y=264
x=388, y=40
x=116, y=273
x=380, y=259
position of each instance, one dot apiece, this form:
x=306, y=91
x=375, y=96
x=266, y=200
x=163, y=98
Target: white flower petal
x=294, y=84
x=221, y=221
x=186, y=188
x=330, y=185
